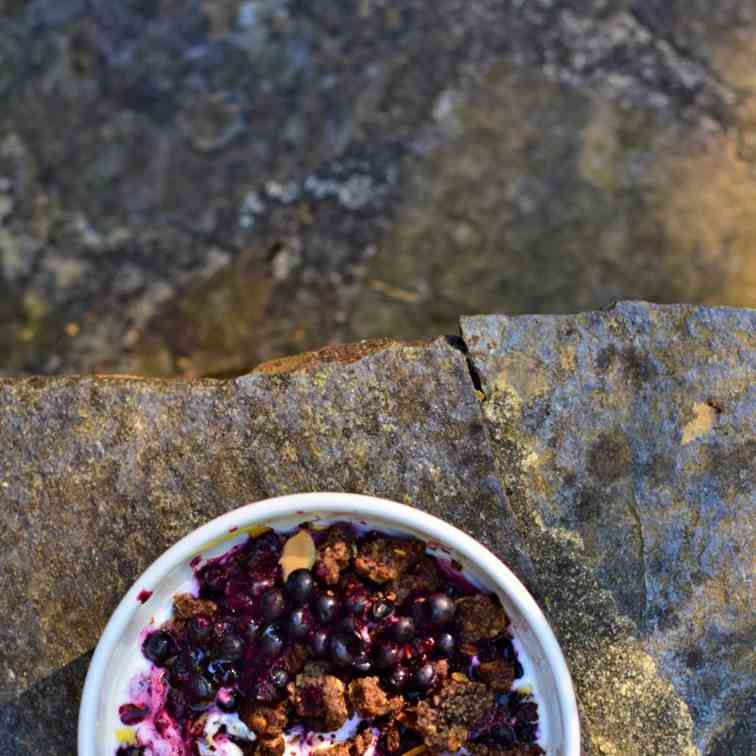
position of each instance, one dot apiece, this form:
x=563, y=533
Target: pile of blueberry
x=246, y=651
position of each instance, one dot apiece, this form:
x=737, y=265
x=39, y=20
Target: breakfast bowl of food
x=333, y=623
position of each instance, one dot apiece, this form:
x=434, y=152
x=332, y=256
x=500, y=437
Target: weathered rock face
x=189, y=188
x=625, y=441
x=100, y=475
x=608, y=457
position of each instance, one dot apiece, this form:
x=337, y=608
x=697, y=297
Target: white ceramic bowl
x=118, y=655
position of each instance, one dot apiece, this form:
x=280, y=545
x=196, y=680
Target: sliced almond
x=298, y=553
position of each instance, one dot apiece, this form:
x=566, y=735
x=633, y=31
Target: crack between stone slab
x=457, y=342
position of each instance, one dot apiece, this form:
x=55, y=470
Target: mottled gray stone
x=99, y=475
x=625, y=440
x=334, y=170
x=607, y=456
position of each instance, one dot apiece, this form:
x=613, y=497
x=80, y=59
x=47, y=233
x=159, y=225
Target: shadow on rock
x=44, y=718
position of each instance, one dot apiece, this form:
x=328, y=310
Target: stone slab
x=625, y=441
x=99, y=475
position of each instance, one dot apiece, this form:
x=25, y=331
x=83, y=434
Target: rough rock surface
x=99, y=475
x=190, y=187
x=625, y=440
x=607, y=456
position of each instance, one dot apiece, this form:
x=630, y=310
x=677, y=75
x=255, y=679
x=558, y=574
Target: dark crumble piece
x=271, y=746
x=479, y=617
x=386, y=559
x=498, y=674
x=357, y=746
x=441, y=669
x=334, y=553
x=361, y=743
x=445, y=721
x=265, y=720
x=391, y=738
x=370, y=700
x=186, y=606
x=320, y=698
x=374, y=628
x=424, y=577
x=296, y=658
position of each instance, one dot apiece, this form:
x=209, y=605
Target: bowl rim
x=256, y=513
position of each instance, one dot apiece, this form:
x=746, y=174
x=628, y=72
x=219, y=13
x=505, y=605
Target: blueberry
x=519, y=671
x=272, y=605
x=271, y=641
x=423, y=677
x=299, y=586
x=131, y=714
x=356, y=603
x=386, y=655
x=318, y=643
x=506, y=649
x=158, y=647
x=515, y=701
x=299, y=623
x=214, y=578
x=503, y=735
x=200, y=688
x=130, y=751
x=279, y=677
x=197, y=657
x=344, y=648
x=440, y=609
x=399, y=678
x=326, y=608
x=232, y=647
x=199, y=630
x=526, y=731
x=528, y=712
x=502, y=699
x=445, y=644
x=404, y=630
x=229, y=700
x=181, y=667
x=381, y=609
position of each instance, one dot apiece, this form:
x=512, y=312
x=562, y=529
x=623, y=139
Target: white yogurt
x=526, y=684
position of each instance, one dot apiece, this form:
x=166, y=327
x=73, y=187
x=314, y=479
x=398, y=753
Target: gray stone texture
x=626, y=439
x=191, y=187
x=608, y=457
